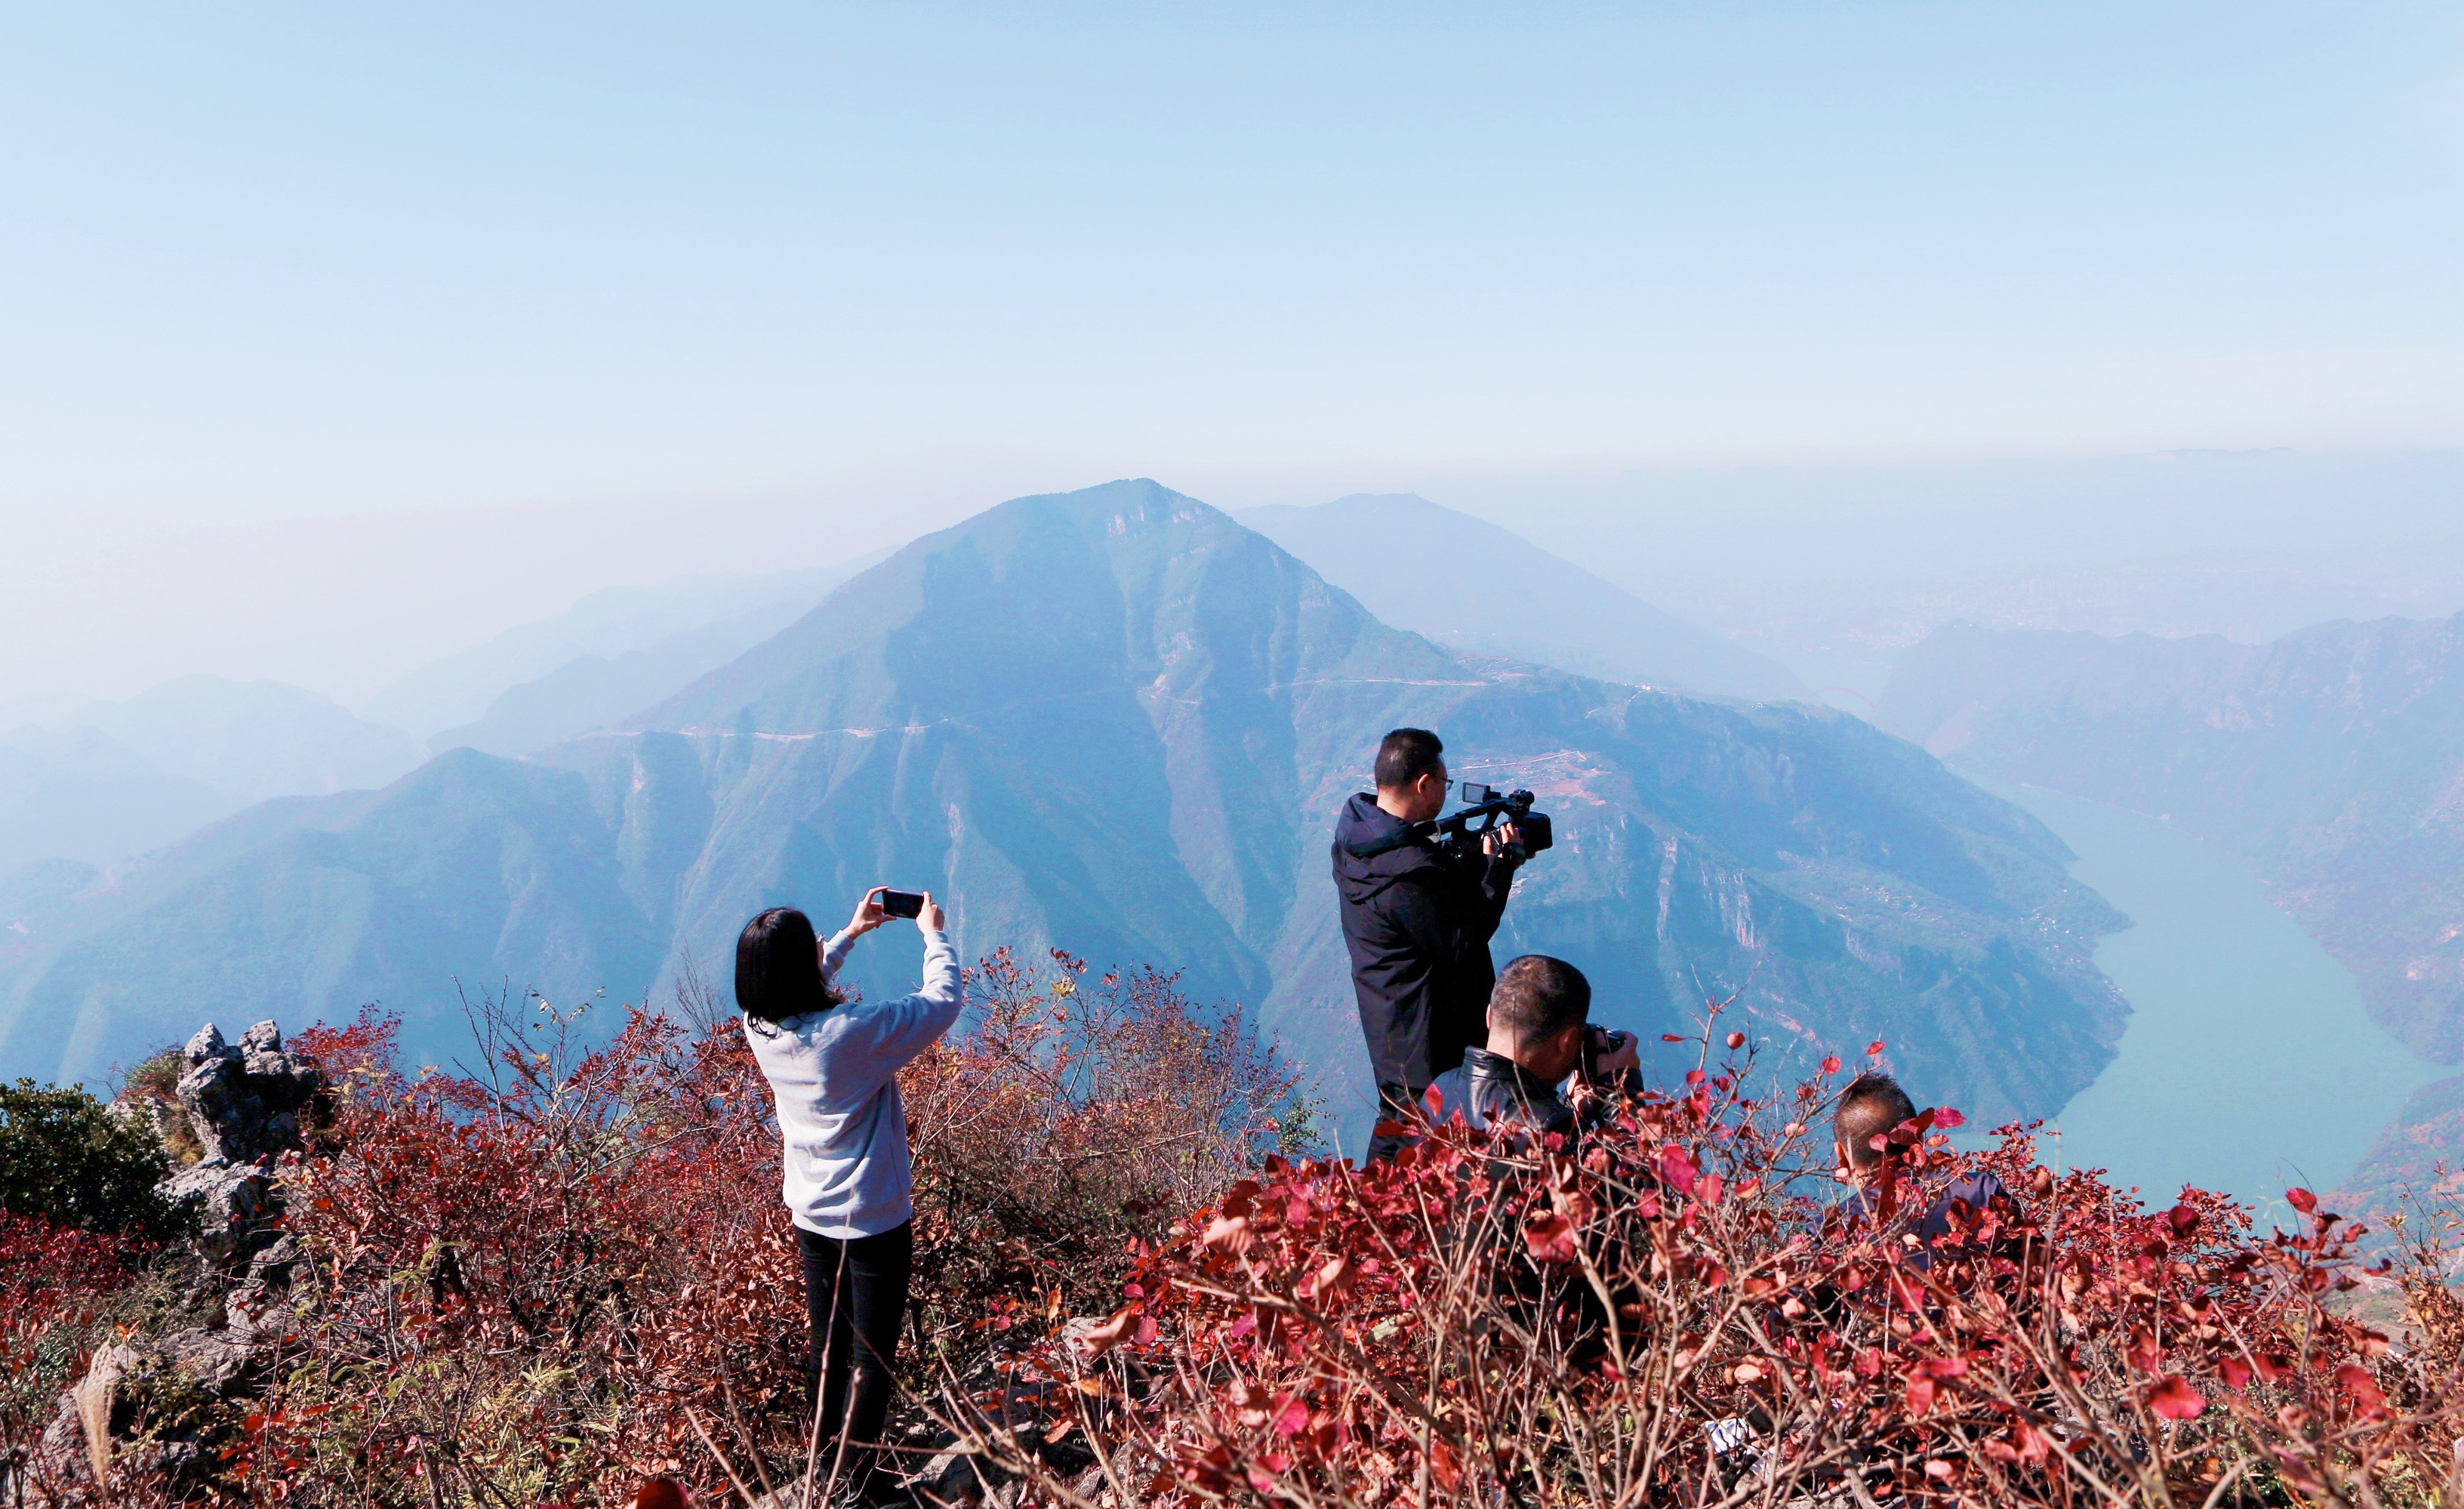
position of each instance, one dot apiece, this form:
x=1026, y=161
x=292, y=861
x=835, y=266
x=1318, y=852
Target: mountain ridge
x=2328, y=759
x=1118, y=722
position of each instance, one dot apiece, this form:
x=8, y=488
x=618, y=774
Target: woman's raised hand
x=869, y=914
x=930, y=918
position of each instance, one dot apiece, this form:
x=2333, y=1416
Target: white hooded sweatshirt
x=834, y=1076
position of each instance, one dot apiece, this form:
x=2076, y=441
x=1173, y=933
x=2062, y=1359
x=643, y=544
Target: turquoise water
x=2247, y=1063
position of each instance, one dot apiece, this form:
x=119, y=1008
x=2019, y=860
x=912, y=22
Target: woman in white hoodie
x=833, y=1070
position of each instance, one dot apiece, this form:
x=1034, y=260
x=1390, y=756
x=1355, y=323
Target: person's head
x=1538, y=1015
x=778, y=968
x=1872, y=1105
x=1411, y=775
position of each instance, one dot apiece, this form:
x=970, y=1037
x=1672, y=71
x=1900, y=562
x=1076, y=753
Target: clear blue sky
x=889, y=264
x=273, y=258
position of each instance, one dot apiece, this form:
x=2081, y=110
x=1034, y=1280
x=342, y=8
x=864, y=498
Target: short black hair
x=778, y=968
x=1405, y=755
x=1872, y=1105
x=1539, y=996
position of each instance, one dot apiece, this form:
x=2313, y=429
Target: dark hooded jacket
x=1417, y=923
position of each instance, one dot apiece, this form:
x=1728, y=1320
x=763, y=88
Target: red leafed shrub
x=1068, y=1120
x=1671, y=1315
x=567, y=1273
x=54, y=1282
x=521, y=1283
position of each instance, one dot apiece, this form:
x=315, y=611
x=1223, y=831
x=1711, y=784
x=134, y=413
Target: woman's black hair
x=778, y=968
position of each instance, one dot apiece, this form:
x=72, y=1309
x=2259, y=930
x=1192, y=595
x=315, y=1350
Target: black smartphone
x=903, y=903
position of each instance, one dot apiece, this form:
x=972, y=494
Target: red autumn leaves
x=2174, y=1399
x=1318, y=1293
x=1550, y=1237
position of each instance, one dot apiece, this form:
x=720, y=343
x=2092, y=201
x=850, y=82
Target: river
x=2247, y=1063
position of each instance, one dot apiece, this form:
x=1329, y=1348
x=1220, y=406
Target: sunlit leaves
x=1325, y=1290
x=2174, y=1399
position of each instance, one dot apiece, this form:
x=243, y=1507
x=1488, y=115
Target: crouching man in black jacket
x=1539, y=1035
x=1417, y=922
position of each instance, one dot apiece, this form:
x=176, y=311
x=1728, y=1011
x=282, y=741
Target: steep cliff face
x=2414, y=1159
x=2330, y=761
x=1117, y=722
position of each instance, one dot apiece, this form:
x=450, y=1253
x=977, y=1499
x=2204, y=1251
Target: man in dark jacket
x=1539, y=1029
x=1870, y=1109
x=1417, y=923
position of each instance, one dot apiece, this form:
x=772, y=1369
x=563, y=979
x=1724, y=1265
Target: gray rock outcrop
x=247, y=1104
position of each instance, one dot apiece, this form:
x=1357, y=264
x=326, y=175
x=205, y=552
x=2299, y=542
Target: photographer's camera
x=1486, y=811
x=1599, y=1045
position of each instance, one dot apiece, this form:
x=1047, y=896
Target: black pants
x=855, y=1295
x=1395, y=1102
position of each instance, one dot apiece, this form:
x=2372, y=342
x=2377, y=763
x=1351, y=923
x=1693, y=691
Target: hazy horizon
x=341, y=341
x=1783, y=558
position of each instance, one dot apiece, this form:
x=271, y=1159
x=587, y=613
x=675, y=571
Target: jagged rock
x=244, y=1105
x=272, y=1267
x=245, y=1102
x=154, y=1407
x=216, y=1362
x=971, y=1480
x=958, y=1476
x=143, y=1110
x=233, y=1203
x=159, y=1406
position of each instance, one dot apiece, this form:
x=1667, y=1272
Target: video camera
x=1484, y=807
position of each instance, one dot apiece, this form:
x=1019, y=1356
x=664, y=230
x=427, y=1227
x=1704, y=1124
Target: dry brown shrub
x=1069, y=1121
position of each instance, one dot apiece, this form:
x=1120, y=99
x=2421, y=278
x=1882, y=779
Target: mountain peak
x=1045, y=598
x=1127, y=506
x=1116, y=721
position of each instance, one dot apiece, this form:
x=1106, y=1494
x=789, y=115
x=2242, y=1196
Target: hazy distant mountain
x=1116, y=721
x=1480, y=589
x=96, y=782
x=591, y=692
x=307, y=906
x=699, y=623
x=82, y=795
x=1837, y=569
x=249, y=740
x=2330, y=761
x=245, y=740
